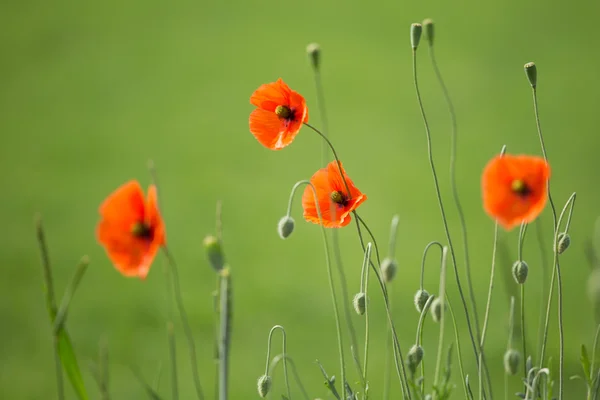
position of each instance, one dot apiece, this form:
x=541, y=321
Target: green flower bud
x=264, y=385
x=421, y=298
x=512, y=359
x=531, y=72
x=415, y=35
x=414, y=357
x=520, y=270
x=314, y=54
x=359, y=303
x=389, y=268
x=564, y=241
x=214, y=252
x=436, y=309
x=285, y=227
x=429, y=30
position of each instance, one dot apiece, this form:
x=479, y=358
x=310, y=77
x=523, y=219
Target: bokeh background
x=90, y=91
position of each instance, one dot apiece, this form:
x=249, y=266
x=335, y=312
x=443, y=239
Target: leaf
x=585, y=363
x=70, y=365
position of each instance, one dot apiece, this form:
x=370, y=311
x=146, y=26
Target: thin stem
x=393, y=236
x=511, y=328
x=488, y=306
x=276, y=360
x=322, y=112
x=388, y=349
x=225, y=333
x=186, y=324
x=455, y=196
x=594, y=351
x=173, y=356
x=459, y=354
x=442, y=298
x=399, y=363
x=544, y=268
x=442, y=211
x=330, y=276
x=365, y=273
x=285, y=373
x=419, y=339
x=522, y=231
x=436, y=243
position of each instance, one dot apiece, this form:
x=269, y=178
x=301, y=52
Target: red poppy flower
x=131, y=229
x=335, y=202
x=515, y=188
x=279, y=116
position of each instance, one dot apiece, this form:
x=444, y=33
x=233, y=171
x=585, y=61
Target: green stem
x=522, y=231
x=294, y=371
x=419, y=339
x=329, y=274
x=225, y=333
x=459, y=354
x=441, y=206
x=442, y=298
x=285, y=373
x=365, y=273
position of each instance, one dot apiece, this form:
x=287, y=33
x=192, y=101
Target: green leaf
x=585, y=363
x=70, y=365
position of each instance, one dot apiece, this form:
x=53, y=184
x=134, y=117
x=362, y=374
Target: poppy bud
x=429, y=30
x=512, y=358
x=264, y=385
x=421, y=298
x=436, y=309
x=520, y=270
x=414, y=357
x=563, y=243
x=314, y=54
x=285, y=227
x=415, y=35
x=531, y=72
x=389, y=268
x=359, y=303
x=214, y=252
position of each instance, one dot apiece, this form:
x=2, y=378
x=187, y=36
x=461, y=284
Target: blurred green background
x=90, y=91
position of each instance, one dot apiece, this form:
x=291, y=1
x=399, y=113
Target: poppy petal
x=271, y=95
x=269, y=130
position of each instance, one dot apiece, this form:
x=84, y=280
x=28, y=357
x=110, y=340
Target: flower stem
x=330, y=276
x=442, y=211
x=438, y=363
x=365, y=273
x=267, y=369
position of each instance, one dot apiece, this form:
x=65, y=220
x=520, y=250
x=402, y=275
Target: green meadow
x=90, y=91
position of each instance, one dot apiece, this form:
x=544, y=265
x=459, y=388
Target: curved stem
x=442, y=211
x=425, y=256
x=285, y=373
x=455, y=196
x=287, y=358
x=487, y=309
x=329, y=275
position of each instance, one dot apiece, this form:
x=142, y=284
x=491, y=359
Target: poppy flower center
x=284, y=112
x=520, y=188
x=339, y=198
x=141, y=230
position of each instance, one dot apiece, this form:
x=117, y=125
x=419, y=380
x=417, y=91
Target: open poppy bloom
x=333, y=198
x=515, y=188
x=131, y=229
x=279, y=115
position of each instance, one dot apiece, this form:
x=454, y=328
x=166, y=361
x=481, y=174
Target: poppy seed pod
x=563, y=243
x=421, y=298
x=531, y=72
x=389, y=268
x=520, y=270
x=429, y=30
x=415, y=35
x=264, y=385
x=414, y=357
x=314, y=54
x=512, y=358
x=285, y=227
x=359, y=303
x=436, y=309
x=214, y=252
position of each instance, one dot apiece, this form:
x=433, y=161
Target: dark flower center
x=284, y=112
x=520, y=188
x=142, y=230
x=339, y=198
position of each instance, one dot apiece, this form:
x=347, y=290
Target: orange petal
x=271, y=95
x=154, y=218
x=268, y=129
x=125, y=204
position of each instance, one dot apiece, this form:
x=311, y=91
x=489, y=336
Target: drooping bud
x=436, y=309
x=429, y=30
x=214, y=252
x=531, y=72
x=314, y=55
x=512, y=359
x=389, y=268
x=264, y=385
x=359, y=303
x=285, y=227
x=520, y=270
x=414, y=357
x=415, y=35
x=421, y=298
x=563, y=243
